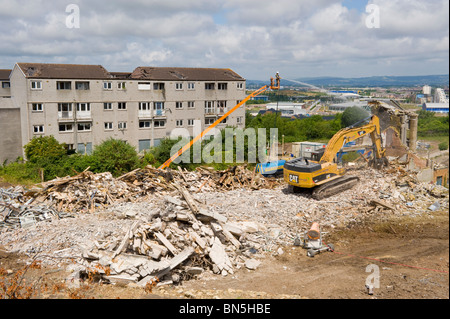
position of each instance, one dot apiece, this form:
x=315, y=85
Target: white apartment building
x=83, y=105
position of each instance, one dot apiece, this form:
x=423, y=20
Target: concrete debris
x=151, y=226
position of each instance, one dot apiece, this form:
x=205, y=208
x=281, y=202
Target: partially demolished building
x=82, y=105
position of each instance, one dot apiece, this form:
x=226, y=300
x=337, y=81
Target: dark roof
x=185, y=74
x=4, y=74
x=120, y=75
x=63, y=71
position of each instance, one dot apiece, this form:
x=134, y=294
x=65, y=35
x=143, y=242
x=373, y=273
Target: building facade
x=83, y=105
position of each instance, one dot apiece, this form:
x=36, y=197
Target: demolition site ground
x=401, y=242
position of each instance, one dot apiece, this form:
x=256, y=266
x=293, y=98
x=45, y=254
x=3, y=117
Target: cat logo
x=293, y=178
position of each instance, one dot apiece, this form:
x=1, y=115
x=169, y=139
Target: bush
x=45, y=148
x=114, y=156
x=443, y=146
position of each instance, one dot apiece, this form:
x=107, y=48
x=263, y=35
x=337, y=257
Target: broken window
x=107, y=85
x=6, y=85
x=191, y=104
x=121, y=85
x=190, y=122
x=191, y=86
x=64, y=85
x=107, y=106
x=179, y=123
x=222, y=86
x=179, y=86
x=240, y=85
x=122, y=106
x=178, y=105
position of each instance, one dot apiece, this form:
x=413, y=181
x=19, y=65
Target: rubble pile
x=16, y=211
x=180, y=240
x=88, y=191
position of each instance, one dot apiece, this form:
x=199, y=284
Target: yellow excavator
x=323, y=176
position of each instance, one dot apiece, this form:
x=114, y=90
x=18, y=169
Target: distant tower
x=440, y=96
x=427, y=90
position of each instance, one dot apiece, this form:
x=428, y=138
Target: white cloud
x=297, y=38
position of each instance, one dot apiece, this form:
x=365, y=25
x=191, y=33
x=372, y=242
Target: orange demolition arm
x=188, y=145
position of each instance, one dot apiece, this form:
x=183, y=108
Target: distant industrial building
x=287, y=108
x=435, y=107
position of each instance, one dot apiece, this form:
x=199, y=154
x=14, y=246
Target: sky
x=255, y=38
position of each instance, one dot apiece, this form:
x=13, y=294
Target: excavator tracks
x=334, y=187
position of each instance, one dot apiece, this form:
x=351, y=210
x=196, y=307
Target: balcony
x=86, y=115
x=159, y=113
x=65, y=116
x=145, y=114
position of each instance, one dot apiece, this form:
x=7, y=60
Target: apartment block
x=83, y=105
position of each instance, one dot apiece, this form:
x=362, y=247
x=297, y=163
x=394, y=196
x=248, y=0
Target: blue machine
x=270, y=168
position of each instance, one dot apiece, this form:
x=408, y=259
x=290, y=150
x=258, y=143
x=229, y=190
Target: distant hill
x=372, y=81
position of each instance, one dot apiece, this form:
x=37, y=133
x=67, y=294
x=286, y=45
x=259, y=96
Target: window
x=38, y=129
x=122, y=125
x=84, y=148
x=36, y=85
x=179, y=86
x=107, y=106
x=209, y=86
x=121, y=85
x=62, y=107
x=144, y=145
x=222, y=86
x=108, y=126
x=37, y=107
x=158, y=86
x=209, y=107
x=145, y=124
x=65, y=127
x=222, y=106
x=159, y=108
x=6, y=85
x=144, y=106
x=239, y=120
x=83, y=107
x=191, y=86
x=159, y=123
x=179, y=123
x=209, y=121
x=240, y=85
x=64, y=85
x=122, y=106
x=179, y=105
x=107, y=85
x=191, y=104
x=81, y=85
x=190, y=122
x=144, y=86
x=84, y=127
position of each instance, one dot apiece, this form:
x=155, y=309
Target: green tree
x=353, y=115
x=114, y=156
x=45, y=148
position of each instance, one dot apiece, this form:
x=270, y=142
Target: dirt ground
x=402, y=243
